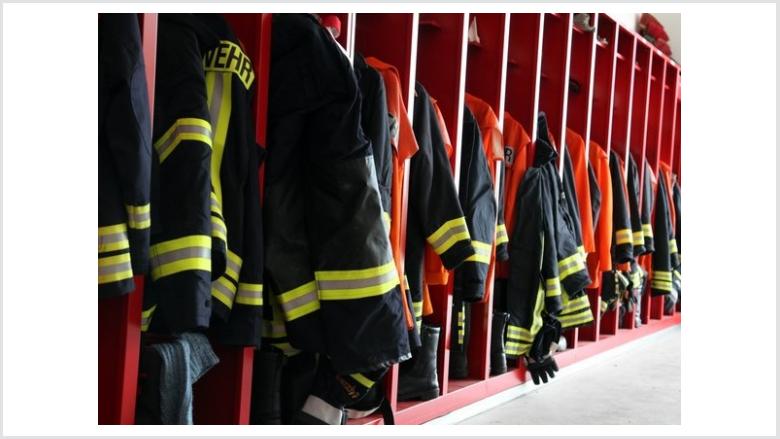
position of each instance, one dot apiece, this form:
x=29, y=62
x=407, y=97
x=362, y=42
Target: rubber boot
x=420, y=381
x=459, y=364
x=497, y=355
x=266, y=407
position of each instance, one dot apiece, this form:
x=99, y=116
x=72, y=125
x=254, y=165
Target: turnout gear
x=539, y=360
x=459, y=345
x=478, y=202
x=418, y=378
x=329, y=261
x=497, y=356
x=665, y=259
x=649, y=182
x=124, y=155
x=188, y=251
x=638, y=237
x=622, y=239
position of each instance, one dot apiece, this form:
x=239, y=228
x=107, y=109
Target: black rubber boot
x=266, y=407
x=497, y=356
x=459, y=364
x=420, y=381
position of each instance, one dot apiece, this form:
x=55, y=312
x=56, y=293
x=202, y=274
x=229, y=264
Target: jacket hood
x=545, y=151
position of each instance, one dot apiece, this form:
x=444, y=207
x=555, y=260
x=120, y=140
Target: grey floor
x=640, y=386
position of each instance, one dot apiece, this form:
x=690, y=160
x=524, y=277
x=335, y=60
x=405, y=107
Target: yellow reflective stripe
x=662, y=285
x=575, y=305
x=182, y=254
x=215, y=206
x=677, y=274
x=183, y=129
x=483, y=252
x=639, y=238
x=552, y=287
x=299, y=301
x=224, y=290
x=570, y=265
x=218, y=228
x=518, y=333
x=146, y=318
x=662, y=275
x=233, y=266
x=577, y=319
x=604, y=306
x=623, y=236
x=583, y=254
x=672, y=246
x=356, y=284
x=501, y=235
x=363, y=380
x=568, y=261
x=516, y=349
x=249, y=294
x=647, y=230
x=386, y=219
x=112, y=238
x=448, y=234
x=114, y=268
x=418, y=309
x=138, y=217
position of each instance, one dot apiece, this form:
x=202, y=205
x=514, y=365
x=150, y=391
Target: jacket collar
x=545, y=152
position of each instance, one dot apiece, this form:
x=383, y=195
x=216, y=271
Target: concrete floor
x=639, y=386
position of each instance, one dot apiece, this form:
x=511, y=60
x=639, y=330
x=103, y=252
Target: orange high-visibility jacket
x=576, y=149
x=601, y=260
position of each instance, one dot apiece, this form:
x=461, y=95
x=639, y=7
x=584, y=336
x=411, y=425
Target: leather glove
x=539, y=360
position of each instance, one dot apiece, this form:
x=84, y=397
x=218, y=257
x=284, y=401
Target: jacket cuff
x=455, y=255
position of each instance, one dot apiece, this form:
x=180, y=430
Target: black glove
x=539, y=359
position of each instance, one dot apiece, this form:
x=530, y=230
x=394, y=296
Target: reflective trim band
x=662, y=275
x=233, y=266
x=386, y=219
x=363, y=380
x=111, y=238
x=448, y=234
x=215, y=206
x=483, y=252
x=114, y=268
x=552, y=287
x=577, y=319
x=647, y=230
x=250, y=294
x=273, y=329
x=575, y=305
x=321, y=410
x=623, y=236
x=146, y=318
x=356, y=284
x=224, y=290
x=418, y=309
x=299, y=301
x=581, y=251
x=138, y=217
x=501, y=235
x=639, y=238
x=661, y=285
x=678, y=275
x=672, y=246
x=516, y=349
x=518, y=333
x=218, y=228
x=182, y=254
x=604, y=305
x=570, y=265
x=183, y=129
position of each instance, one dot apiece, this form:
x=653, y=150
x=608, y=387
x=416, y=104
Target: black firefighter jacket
x=328, y=260
x=665, y=256
x=124, y=155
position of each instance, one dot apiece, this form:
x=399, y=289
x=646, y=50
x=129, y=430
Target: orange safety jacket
x=576, y=148
x=601, y=259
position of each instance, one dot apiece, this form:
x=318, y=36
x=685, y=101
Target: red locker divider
x=486, y=79
x=119, y=318
x=524, y=65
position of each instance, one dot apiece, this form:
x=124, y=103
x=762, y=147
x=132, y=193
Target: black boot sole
x=422, y=395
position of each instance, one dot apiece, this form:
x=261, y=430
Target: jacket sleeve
x=434, y=200
x=647, y=208
x=662, y=256
x=595, y=196
x=622, y=241
x=128, y=124
x=676, y=195
x=479, y=207
x=571, y=202
x=637, y=236
x=502, y=237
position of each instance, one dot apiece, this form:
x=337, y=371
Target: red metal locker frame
x=582, y=70
x=393, y=39
x=672, y=90
x=223, y=395
x=486, y=79
x=677, y=165
x=524, y=66
x=119, y=318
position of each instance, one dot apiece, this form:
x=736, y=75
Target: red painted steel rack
x=629, y=100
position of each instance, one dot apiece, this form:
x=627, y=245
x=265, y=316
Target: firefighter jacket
x=647, y=207
x=575, y=154
x=328, y=258
x=434, y=213
x=601, y=261
x=188, y=233
x=571, y=202
x=622, y=240
x=517, y=159
x=124, y=155
x=492, y=142
x=676, y=196
x=237, y=294
x=633, y=189
x=665, y=255
x=404, y=145
x=477, y=199
x=543, y=256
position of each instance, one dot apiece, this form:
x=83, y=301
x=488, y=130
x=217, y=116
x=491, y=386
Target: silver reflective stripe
x=181, y=129
x=113, y=237
x=184, y=253
x=356, y=283
x=451, y=232
x=228, y=291
x=219, y=226
x=216, y=99
x=322, y=410
x=215, y=206
x=309, y=296
x=135, y=217
x=233, y=267
x=249, y=294
x=117, y=267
